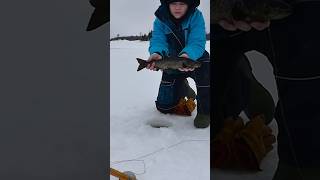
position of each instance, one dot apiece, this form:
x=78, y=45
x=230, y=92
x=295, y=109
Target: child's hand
x=184, y=55
x=244, y=26
x=153, y=57
x=185, y=69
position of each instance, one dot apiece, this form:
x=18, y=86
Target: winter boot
x=202, y=120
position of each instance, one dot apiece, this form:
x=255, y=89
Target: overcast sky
x=130, y=17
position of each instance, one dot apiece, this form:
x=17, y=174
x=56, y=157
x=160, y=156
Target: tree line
x=141, y=37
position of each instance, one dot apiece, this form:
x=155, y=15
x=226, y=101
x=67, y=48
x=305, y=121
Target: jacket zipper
x=173, y=34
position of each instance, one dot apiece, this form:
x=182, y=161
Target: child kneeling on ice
x=179, y=30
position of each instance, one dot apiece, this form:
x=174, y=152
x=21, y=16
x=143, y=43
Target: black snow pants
x=172, y=84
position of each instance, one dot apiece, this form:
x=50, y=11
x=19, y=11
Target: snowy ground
x=180, y=152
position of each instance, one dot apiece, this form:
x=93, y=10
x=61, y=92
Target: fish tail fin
x=142, y=64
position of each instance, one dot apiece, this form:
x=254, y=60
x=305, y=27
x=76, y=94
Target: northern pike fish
x=169, y=63
x=249, y=10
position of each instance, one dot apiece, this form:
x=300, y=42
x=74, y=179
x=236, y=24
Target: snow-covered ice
x=179, y=152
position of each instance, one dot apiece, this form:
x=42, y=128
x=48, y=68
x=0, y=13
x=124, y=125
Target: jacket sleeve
x=196, y=38
x=158, y=41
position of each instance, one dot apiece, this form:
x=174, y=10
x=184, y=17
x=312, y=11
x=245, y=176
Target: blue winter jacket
x=189, y=38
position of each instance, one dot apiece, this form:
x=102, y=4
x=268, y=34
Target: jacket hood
x=192, y=3
x=163, y=12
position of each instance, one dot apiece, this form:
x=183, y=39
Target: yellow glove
x=239, y=146
x=222, y=151
x=259, y=139
x=190, y=105
x=184, y=107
